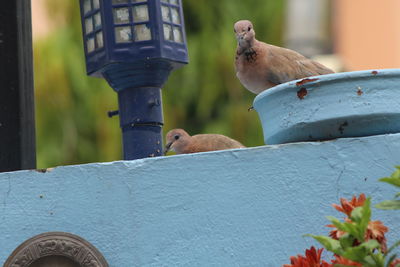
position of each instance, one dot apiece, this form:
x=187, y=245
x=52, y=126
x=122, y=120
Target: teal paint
x=246, y=207
x=348, y=104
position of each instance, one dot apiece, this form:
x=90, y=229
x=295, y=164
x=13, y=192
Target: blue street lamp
x=134, y=45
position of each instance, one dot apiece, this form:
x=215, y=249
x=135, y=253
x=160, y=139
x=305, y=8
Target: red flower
x=343, y=261
x=347, y=207
x=375, y=230
x=312, y=259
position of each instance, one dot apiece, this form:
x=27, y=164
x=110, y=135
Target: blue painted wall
x=247, y=207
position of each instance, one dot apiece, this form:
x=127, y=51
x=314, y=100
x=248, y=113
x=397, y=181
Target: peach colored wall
x=367, y=33
x=41, y=25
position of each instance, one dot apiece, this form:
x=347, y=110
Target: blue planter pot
x=350, y=104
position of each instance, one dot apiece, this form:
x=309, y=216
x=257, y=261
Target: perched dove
x=179, y=141
x=260, y=66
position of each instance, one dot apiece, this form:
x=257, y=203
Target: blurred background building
x=205, y=96
x=41, y=23
x=367, y=33
x=347, y=35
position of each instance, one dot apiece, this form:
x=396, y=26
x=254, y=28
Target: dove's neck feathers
x=246, y=47
x=251, y=53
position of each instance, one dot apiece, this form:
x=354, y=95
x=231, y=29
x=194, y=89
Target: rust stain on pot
x=359, y=91
x=304, y=81
x=341, y=127
x=302, y=93
x=374, y=72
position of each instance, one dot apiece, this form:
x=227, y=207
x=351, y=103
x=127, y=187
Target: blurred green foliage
x=202, y=97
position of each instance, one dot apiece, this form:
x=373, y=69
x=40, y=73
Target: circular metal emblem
x=56, y=244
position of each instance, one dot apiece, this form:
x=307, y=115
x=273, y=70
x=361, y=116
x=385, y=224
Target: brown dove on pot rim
x=260, y=66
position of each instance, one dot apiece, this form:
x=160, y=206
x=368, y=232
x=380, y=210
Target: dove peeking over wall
x=260, y=66
x=179, y=141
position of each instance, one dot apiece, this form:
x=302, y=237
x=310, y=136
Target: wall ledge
x=226, y=208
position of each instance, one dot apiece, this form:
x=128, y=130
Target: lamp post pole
x=17, y=120
x=141, y=121
x=140, y=105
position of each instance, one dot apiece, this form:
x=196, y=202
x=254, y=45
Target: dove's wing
x=286, y=65
x=211, y=142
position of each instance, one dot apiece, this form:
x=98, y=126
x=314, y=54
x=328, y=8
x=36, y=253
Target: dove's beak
x=240, y=39
x=167, y=148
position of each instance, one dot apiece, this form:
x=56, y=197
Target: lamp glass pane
x=90, y=45
x=174, y=2
x=138, y=1
x=168, y=32
x=88, y=25
x=99, y=39
x=96, y=4
x=164, y=1
x=121, y=15
x=140, y=13
x=142, y=32
x=175, y=15
x=165, y=13
x=119, y=1
x=178, y=35
x=97, y=20
x=123, y=34
x=87, y=6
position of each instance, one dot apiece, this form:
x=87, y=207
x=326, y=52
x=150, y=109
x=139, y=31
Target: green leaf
x=365, y=217
x=337, y=223
x=378, y=259
x=346, y=241
x=369, y=261
x=370, y=244
x=360, y=253
x=348, y=227
x=396, y=174
x=329, y=243
x=356, y=214
x=391, y=180
x=389, y=205
x=333, y=219
x=356, y=254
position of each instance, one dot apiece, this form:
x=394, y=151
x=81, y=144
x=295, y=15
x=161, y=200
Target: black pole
x=17, y=119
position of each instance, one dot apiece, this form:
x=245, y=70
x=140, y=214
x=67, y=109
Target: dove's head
x=176, y=140
x=245, y=33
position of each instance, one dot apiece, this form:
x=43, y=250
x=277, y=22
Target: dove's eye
x=249, y=28
x=176, y=137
